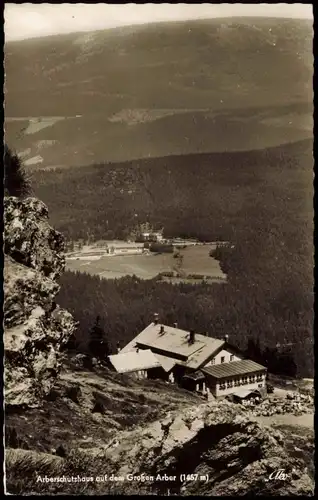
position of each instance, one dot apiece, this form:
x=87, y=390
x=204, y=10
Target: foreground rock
x=220, y=451
x=146, y=428
x=35, y=328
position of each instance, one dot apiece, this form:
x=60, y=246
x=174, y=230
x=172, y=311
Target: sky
x=34, y=20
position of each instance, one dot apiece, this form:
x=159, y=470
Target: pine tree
x=98, y=345
x=253, y=350
x=16, y=182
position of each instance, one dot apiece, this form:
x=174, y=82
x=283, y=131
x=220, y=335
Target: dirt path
x=306, y=420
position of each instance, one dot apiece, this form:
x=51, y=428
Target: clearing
x=192, y=260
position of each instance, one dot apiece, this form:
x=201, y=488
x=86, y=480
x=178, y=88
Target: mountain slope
x=208, y=195
x=145, y=428
x=195, y=86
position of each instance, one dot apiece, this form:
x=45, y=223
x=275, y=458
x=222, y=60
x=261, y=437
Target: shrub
x=161, y=248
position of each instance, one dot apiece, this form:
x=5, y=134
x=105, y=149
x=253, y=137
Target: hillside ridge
x=191, y=66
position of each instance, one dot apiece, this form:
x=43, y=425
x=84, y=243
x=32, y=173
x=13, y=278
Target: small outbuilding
x=140, y=362
x=193, y=381
x=246, y=395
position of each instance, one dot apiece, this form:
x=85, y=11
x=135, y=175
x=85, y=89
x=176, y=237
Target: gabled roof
x=166, y=362
x=243, y=367
x=173, y=344
x=134, y=361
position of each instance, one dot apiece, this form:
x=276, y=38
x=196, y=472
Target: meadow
x=195, y=260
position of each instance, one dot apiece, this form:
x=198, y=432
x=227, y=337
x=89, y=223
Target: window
x=244, y=380
x=252, y=379
x=213, y=361
x=232, y=357
x=222, y=359
x=222, y=385
x=260, y=385
x=229, y=384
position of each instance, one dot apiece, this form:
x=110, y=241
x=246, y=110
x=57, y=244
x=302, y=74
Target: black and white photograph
x=158, y=249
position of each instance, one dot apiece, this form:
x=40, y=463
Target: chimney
x=162, y=330
x=226, y=338
x=156, y=318
x=118, y=348
x=137, y=350
x=191, y=337
x=175, y=325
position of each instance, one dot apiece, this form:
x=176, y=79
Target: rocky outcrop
x=29, y=239
x=217, y=448
x=35, y=328
x=147, y=428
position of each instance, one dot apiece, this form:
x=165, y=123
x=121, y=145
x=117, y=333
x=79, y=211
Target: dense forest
x=268, y=311
x=268, y=299
x=208, y=196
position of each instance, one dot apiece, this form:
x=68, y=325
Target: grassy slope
x=33, y=434
x=225, y=66
x=126, y=403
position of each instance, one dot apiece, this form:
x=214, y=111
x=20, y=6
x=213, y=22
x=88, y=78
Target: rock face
x=35, y=327
x=220, y=451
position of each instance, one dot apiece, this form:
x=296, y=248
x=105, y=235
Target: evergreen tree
x=253, y=350
x=98, y=344
x=287, y=365
x=16, y=182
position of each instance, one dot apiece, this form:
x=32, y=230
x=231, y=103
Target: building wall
x=235, y=383
x=128, y=251
x=216, y=360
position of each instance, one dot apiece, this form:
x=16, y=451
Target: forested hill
x=208, y=196
x=261, y=201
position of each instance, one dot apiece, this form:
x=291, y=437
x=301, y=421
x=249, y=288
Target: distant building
x=145, y=232
x=195, y=361
x=124, y=248
x=183, y=241
x=158, y=235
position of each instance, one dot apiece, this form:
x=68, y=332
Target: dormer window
x=232, y=357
